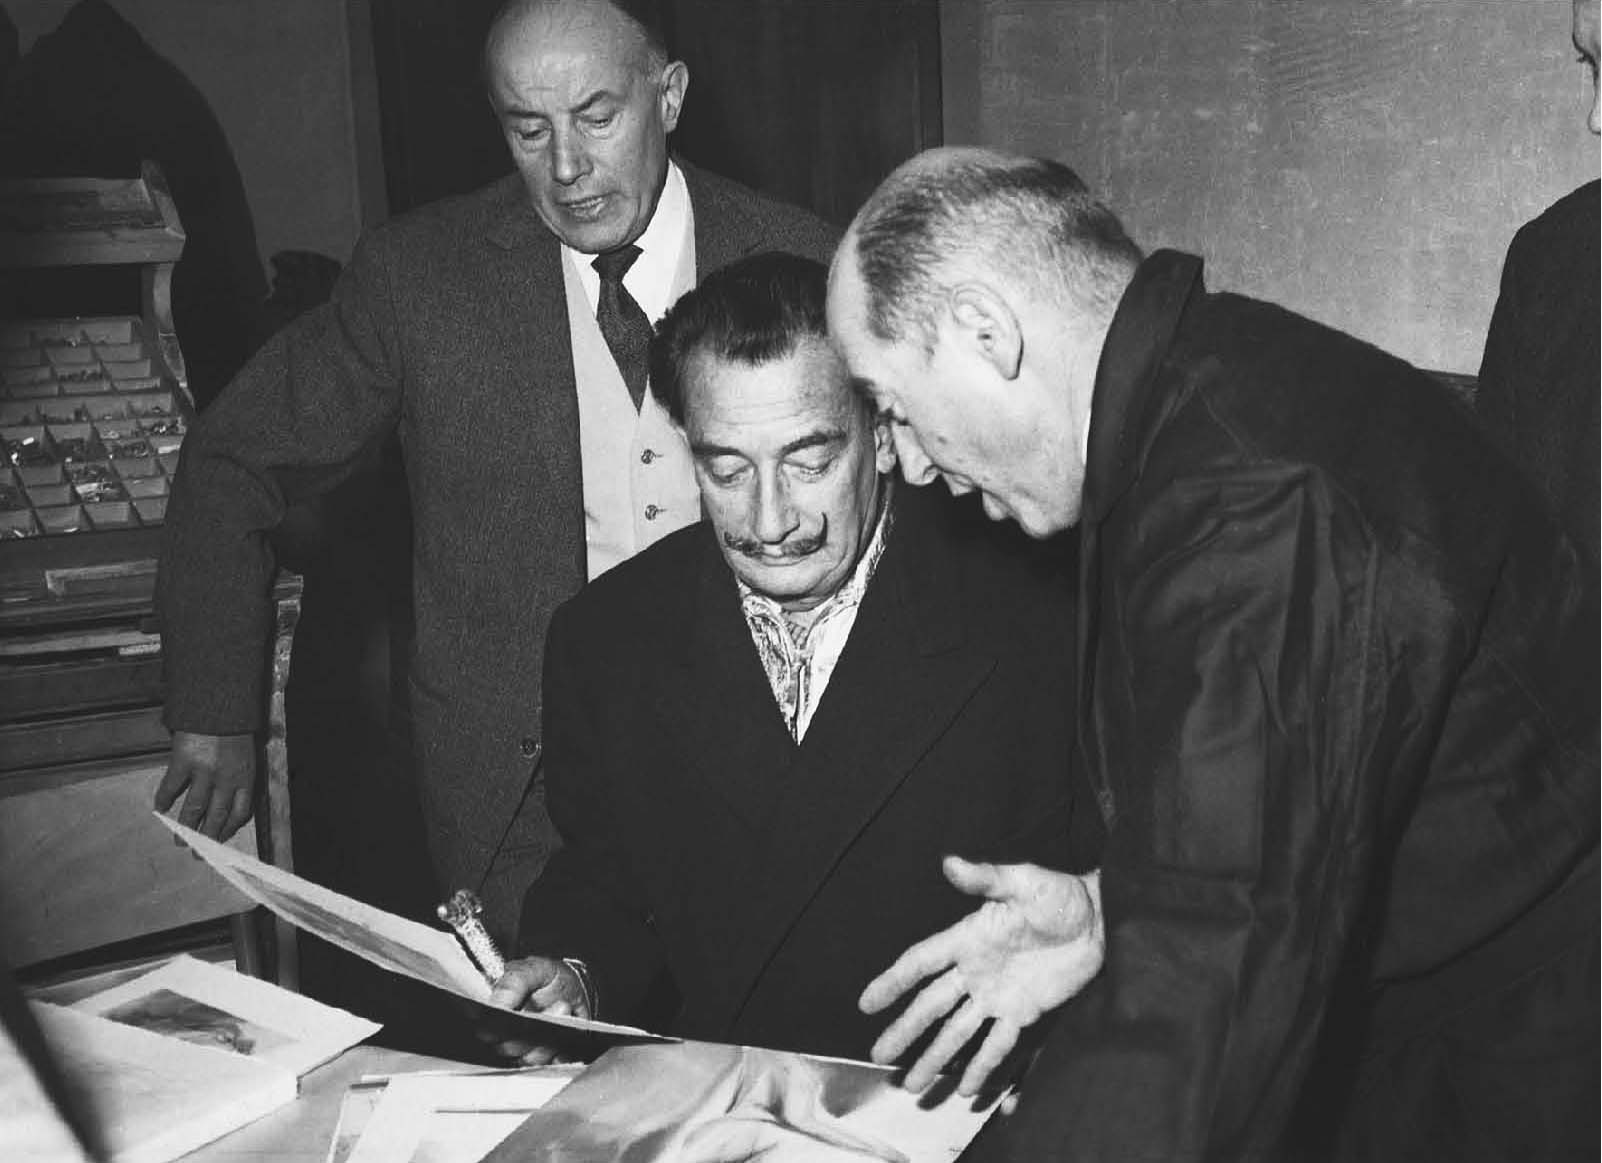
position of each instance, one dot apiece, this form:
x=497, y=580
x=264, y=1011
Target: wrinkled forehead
x=846, y=298
x=805, y=391
x=861, y=350
x=876, y=368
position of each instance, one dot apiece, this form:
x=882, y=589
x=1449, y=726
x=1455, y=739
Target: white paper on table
x=393, y=943
x=700, y=1100
x=453, y=1118
x=156, y=1098
x=213, y=1005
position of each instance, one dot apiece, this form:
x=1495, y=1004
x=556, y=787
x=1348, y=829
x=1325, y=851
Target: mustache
x=754, y=547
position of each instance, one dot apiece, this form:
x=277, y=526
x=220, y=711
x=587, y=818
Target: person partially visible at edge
x=1338, y=698
x=765, y=731
x=481, y=328
x=1539, y=378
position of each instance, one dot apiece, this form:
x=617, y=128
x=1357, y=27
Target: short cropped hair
x=753, y=311
x=1027, y=221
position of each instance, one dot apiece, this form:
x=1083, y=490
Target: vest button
x=529, y=747
x=648, y=456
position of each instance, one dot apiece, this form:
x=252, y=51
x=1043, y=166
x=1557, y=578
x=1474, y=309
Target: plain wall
x=1365, y=162
x=294, y=100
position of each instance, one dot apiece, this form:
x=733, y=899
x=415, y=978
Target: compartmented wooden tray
x=91, y=421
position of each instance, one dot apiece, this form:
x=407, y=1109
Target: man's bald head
x=959, y=213
x=586, y=98
x=519, y=20
x=515, y=18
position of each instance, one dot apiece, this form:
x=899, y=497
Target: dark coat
x=1339, y=680
x=450, y=324
x=769, y=882
x=1539, y=387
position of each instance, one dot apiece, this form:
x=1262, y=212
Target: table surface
x=300, y=1132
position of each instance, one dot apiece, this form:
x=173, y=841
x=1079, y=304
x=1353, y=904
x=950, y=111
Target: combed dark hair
x=1029, y=220
x=752, y=311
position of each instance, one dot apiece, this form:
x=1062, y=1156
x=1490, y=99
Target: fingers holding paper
x=541, y=985
x=1035, y=942
x=216, y=774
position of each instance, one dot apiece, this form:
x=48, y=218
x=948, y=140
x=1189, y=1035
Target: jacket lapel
x=717, y=701
x=907, y=671
x=536, y=343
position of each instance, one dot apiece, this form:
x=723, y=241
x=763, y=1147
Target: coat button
x=530, y=747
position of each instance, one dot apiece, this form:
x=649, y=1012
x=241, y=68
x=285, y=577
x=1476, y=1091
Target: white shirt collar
x=650, y=279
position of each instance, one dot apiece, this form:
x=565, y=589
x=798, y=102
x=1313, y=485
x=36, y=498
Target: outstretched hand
x=1035, y=942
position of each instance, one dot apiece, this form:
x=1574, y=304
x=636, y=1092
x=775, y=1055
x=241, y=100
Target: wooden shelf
x=66, y=222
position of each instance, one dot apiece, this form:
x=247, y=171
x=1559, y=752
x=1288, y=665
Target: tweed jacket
x=449, y=325
x=762, y=882
x=1338, y=681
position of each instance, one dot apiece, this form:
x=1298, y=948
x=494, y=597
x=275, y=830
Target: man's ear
x=675, y=81
x=884, y=445
x=987, y=323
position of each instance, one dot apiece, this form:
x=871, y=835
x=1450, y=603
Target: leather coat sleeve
x=1500, y=362
x=587, y=902
x=294, y=423
x=1233, y=677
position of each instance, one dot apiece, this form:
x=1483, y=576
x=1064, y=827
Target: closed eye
x=724, y=470
x=813, y=469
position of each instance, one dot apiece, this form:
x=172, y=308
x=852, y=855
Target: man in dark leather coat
x=1338, y=699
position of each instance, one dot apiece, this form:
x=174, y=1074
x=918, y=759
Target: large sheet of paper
x=700, y=1102
x=215, y=1006
x=394, y=943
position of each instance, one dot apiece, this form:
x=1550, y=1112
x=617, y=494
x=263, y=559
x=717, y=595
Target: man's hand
x=541, y=985
x=1035, y=942
x=220, y=773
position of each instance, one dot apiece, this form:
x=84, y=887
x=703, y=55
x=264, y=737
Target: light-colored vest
x=639, y=485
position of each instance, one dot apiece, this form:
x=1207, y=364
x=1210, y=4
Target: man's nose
x=569, y=160
x=775, y=515
x=916, y=467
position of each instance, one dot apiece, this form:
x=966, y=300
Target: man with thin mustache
x=766, y=731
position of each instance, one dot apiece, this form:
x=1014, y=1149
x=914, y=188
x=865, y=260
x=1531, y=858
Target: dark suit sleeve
x=587, y=902
x=294, y=423
x=1232, y=725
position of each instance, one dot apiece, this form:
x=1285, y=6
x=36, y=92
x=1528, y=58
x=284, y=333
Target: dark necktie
x=623, y=323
